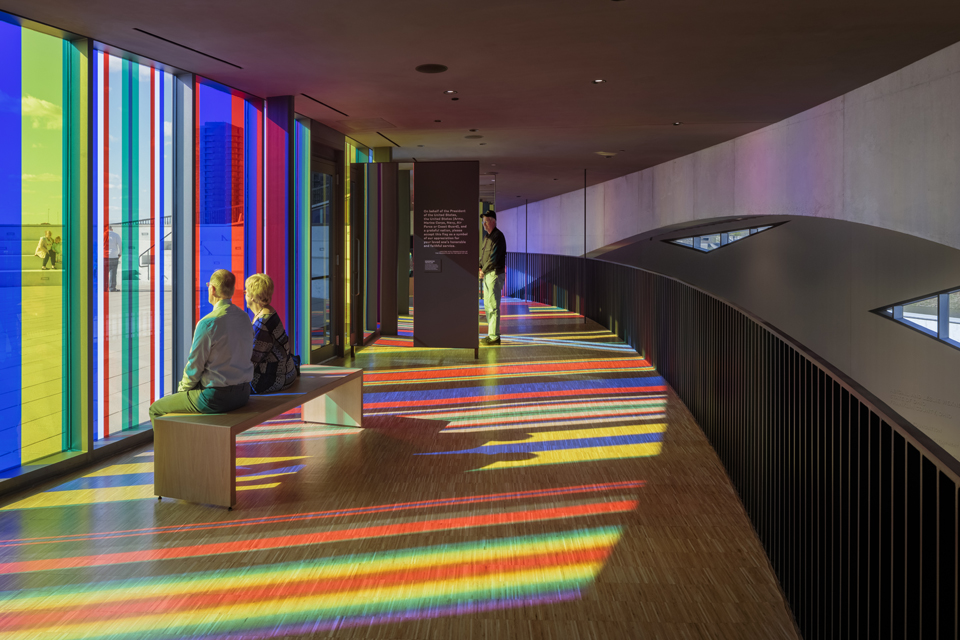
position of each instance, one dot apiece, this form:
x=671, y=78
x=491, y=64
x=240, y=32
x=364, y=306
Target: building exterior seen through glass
x=229, y=204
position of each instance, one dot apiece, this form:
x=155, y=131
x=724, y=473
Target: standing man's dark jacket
x=493, y=253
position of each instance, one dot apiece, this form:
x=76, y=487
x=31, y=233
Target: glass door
x=323, y=254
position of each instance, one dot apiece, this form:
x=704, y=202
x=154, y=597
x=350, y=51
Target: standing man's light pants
x=492, y=287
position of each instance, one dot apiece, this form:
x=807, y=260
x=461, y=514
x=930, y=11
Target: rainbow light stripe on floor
x=317, y=594
x=574, y=445
x=501, y=371
x=319, y=591
x=499, y=393
x=516, y=330
x=528, y=415
x=555, y=492
x=291, y=567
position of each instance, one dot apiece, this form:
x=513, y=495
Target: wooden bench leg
x=342, y=406
x=195, y=464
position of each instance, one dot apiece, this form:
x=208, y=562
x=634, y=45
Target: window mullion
x=943, y=316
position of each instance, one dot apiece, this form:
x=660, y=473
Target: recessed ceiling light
x=436, y=121
x=482, y=143
x=449, y=91
x=432, y=68
x=606, y=154
x=598, y=81
x=493, y=164
x=677, y=123
x=474, y=129
x=454, y=98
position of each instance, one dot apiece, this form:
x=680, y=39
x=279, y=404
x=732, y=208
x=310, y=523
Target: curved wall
x=887, y=155
x=818, y=280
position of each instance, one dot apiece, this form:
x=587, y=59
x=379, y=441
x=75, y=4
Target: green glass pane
x=42, y=104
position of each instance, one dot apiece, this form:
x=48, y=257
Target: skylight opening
x=935, y=315
x=712, y=241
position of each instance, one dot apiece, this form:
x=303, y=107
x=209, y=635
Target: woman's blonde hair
x=260, y=288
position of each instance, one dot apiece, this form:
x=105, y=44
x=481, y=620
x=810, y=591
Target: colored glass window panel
x=33, y=91
x=133, y=241
x=304, y=234
x=43, y=97
x=229, y=182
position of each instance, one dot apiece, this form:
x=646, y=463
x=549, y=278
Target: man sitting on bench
x=219, y=370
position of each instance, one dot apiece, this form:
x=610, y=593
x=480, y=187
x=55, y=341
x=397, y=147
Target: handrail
x=155, y=244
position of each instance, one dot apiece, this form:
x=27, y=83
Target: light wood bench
x=195, y=455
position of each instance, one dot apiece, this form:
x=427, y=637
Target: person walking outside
x=44, y=250
x=493, y=269
x=57, y=250
x=111, y=248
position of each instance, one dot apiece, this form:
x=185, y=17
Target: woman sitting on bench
x=274, y=366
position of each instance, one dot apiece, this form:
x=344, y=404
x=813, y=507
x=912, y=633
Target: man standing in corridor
x=493, y=268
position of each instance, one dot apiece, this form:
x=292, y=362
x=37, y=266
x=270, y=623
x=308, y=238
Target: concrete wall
x=887, y=155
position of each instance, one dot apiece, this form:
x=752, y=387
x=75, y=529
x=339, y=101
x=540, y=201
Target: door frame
x=330, y=167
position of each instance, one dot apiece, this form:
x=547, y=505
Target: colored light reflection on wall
x=43, y=89
x=229, y=185
x=133, y=204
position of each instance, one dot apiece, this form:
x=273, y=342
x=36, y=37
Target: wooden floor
x=554, y=489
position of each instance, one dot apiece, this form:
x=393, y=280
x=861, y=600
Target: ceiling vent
x=365, y=124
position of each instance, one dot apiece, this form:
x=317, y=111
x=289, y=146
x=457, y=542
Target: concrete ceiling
x=523, y=69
